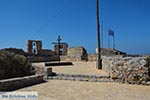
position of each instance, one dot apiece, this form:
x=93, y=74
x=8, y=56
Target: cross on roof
x=58, y=43
x=58, y=39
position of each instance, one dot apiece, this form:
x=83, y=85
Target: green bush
x=14, y=65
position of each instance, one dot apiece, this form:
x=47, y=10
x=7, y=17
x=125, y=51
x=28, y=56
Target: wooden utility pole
x=101, y=27
x=108, y=39
x=99, y=60
x=114, y=42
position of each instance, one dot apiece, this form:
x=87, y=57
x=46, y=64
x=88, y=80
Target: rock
x=148, y=83
x=92, y=80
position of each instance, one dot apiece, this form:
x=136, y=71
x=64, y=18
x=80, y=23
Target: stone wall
x=70, y=58
x=75, y=54
x=39, y=68
x=29, y=45
x=92, y=57
x=109, y=51
x=126, y=69
x=16, y=83
x=46, y=52
x=43, y=55
x=61, y=49
x=42, y=58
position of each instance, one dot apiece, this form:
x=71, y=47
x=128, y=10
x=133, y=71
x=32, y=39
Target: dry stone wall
x=127, y=69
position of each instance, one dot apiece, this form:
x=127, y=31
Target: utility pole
x=108, y=39
x=99, y=60
x=101, y=34
x=114, y=42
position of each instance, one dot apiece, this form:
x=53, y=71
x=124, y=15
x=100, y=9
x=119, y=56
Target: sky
x=75, y=22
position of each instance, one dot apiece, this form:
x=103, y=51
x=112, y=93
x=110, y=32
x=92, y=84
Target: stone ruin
x=36, y=53
x=121, y=68
x=110, y=52
x=69, y=54
x=34, y=46
x=106, y=52
x=61, y=49
x=75, y=54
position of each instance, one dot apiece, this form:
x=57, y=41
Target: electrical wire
x=51, y=19
x=142, y=4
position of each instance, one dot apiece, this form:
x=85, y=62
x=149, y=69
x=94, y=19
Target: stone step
x=86, y=78
x=81, y=75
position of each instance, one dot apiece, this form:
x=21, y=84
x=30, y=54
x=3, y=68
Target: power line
x=52, y=18
x=142, y=4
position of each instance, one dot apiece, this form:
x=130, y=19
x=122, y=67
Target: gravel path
x=74, y=90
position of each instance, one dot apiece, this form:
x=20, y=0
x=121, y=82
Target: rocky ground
x=86, y=90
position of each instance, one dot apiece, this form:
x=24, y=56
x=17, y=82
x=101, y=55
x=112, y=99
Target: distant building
x=108, y=51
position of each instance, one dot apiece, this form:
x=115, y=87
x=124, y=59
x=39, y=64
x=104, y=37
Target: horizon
x=75, y=22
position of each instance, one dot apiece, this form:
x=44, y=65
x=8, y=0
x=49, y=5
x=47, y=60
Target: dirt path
x=85, y=68
x=74, y=90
